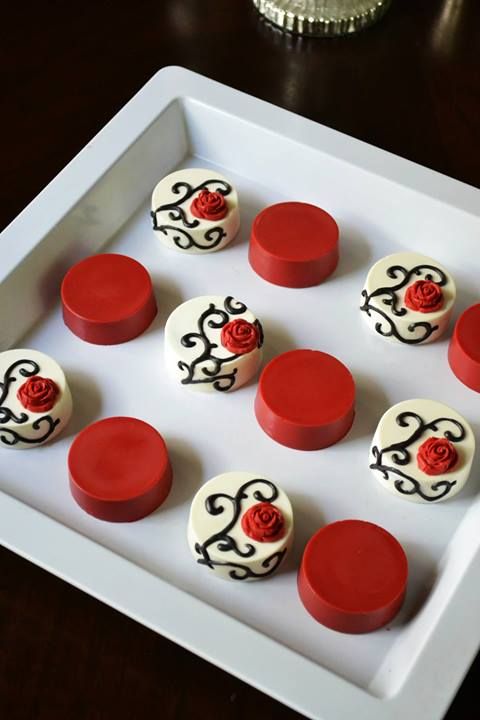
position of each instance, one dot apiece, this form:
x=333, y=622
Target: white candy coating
x=244, y=490
x=205, y=364
x=173, y=224
x=411, y=327
x=35, y=428
x=405, y=479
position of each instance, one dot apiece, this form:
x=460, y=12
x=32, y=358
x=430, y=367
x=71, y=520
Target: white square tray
x=260, y=632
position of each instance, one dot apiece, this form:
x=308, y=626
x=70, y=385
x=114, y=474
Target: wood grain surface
x=410, y=85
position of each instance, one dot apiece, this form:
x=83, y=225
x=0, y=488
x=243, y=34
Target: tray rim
x=313, y=690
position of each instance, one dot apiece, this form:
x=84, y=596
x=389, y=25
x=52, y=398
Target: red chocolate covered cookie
x=108, y=299
x=464, y=350
x=119, y=469
x=294, y=244
x=305, y=399
x=353, y=576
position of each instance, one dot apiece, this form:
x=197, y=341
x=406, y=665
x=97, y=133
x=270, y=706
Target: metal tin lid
x=325, y=18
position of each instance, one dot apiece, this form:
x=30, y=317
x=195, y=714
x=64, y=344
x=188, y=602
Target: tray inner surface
x=208, y=434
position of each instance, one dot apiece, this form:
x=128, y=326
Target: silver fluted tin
x=322, y=18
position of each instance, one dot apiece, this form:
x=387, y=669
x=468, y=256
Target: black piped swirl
x=26, y=368
x=182, y=238
x=386, y=326
x=206, y=367
x=225, y=542
x=400, y=456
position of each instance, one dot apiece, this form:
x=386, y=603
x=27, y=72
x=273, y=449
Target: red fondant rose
x=436, y=456
x=263, y=522
x=38, y=394
x=240, y=337
x=209, y=206
x=424, y=296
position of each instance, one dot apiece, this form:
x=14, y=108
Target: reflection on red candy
x=353, y=576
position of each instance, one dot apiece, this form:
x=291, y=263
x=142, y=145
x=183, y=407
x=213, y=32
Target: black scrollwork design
x=26, y=368
x=183, y=239
x=11, y=437
x=225, y=542
x=401, y=456
x=207, y=367
x=390, y=299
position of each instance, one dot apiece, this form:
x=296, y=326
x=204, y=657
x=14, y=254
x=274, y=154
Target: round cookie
x=195, y=211
x=408, y=298
x=305, y=399
x=108, y=299
x=240, y=526
x=119, y=469
x=422, y=451
x=464, y=350
x=294, y=244
x=35, y=400
x=213, y=343
x=353, y=576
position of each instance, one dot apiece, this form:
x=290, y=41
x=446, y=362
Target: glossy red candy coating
x=305, y=399
x=294, y=244
x=353, y=576
x=119, y=469
x=464, y=349
x=108, y=299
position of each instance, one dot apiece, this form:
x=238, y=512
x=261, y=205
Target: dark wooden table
x=410, y=85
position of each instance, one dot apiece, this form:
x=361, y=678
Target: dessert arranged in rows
x=353, y=574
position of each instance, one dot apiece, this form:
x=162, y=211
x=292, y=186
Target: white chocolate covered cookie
x=408, y=298
x=240, y=526
x=195, y=211
x=213, y=343
x=422, y=451
x=35, y=400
